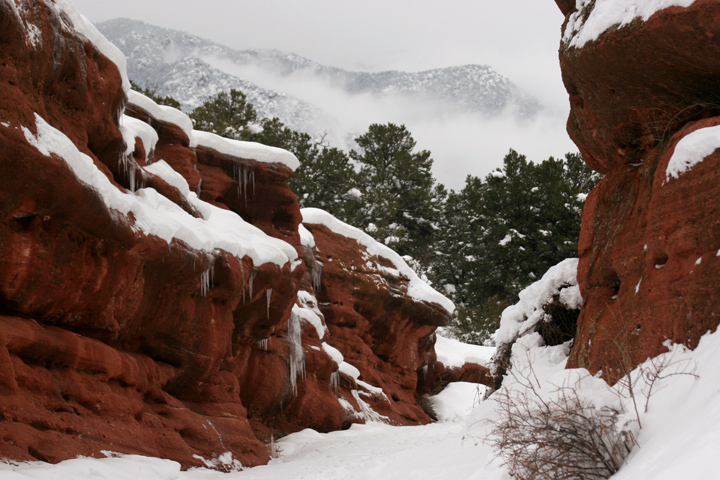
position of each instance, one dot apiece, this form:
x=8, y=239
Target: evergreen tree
x=274, y=133
x=152, y=94
x=504, y=232
x=329, y=182
x=325, y=178
x=401, y=204
x=579, y=176
x=227, y=114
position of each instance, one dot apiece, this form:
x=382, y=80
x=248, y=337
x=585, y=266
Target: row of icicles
x=244, y=176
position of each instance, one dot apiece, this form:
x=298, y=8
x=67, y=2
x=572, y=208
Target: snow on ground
x=457, y=401
x=454, y=353
x=680, y=436
x=609, y=13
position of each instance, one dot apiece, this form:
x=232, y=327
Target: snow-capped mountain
x=191, y=69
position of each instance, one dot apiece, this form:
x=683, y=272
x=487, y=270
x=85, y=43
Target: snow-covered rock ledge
x=545, y=315
x=245, y=150
x=162, y=113
x=586, y=25
x=418, y=289
x=153, y=214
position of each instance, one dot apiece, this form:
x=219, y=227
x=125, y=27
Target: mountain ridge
x=186, y=67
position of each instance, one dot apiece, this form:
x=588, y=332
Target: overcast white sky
x=518, y=38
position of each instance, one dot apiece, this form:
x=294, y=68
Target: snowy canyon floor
x=679, y=439
x=439, y=450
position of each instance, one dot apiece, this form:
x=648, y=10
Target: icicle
x=131, y=179
x=268, y=292
x=243, y=176
x=317, y=275
x=245, y=181
x=264, y=343
x=206, y=279
x=335, y=380
x=296, y=354
x=242, y=272
x=199, y=188
x=204, y=283
x=252, y=277
x=127, y=166
x=245, y=184
x=131, y=174
x=366, y=410
x=218, y=434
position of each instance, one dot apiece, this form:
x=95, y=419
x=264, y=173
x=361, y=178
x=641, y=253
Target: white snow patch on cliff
x=84, y=27
x=163, y=113
x=156, y=215
x=132, y=128
x=560, y=280
x=691, y=150
x=246, y=150
x=417, y=288
x=610, y=13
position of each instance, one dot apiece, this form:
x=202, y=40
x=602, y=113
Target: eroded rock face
x=387, y=336
x=649, y=244
x=107, y=334
x=113, y=338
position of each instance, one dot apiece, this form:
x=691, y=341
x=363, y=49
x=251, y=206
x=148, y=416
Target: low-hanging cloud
x=462, y=143
x=517, y=38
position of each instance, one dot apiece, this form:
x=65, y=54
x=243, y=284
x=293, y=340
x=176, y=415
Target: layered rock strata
x=643, y=85
x=156, y=296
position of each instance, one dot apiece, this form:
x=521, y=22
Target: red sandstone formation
x=649, y=245
x=439, y=376
x=387, y=336
x=116, y=338
x=172, y=146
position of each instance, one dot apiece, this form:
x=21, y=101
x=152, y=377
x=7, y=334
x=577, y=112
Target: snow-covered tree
x=325, y=178
x=227, y=114
x=401, y=203
x=504, y=232
x=151, y=92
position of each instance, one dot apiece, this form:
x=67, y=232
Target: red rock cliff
x=650, y=241
x=155, y=295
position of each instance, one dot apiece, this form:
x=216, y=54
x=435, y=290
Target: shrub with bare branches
x=581, y=431
x=558, y=438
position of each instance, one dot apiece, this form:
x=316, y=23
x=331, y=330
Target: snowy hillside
x=190, y=69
